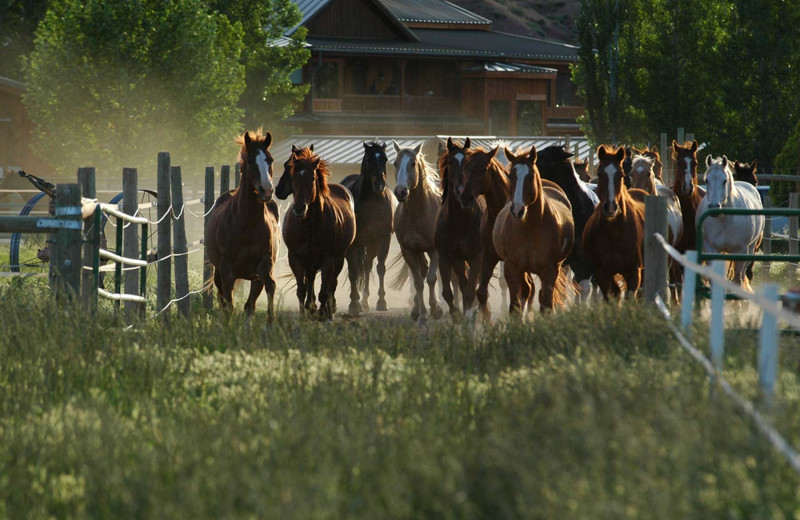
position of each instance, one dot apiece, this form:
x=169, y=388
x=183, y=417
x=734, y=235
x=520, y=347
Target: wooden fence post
x=164, y=243
x=236, y=174
x=666, y=159
x=224, y=179
x=794, y=203
x=689, y=136
x=717, y=322
x=766, y=243
x=180, y=249
x=681, y=136
x=768, y=347
x=208, y=296
x=688, y=296
x=86, y=178
x=67, y=259
x=131, y=245
x=655, y=257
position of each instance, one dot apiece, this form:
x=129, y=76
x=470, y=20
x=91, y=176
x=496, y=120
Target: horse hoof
x=422, y=320
x=354, y=309
x=382, y=307
x=415, y=314
x=455, y=316
x=364, y=307
x=436, y=312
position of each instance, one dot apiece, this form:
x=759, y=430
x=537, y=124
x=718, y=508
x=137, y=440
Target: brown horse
x=458, y=238
x=318, y=229
x=534, y=233
x=241, y=236
x=485, y=176
x=746, y=172
x=418, y=193
x=613, y=239
x=685, y=187
x=582, y=169
x=375, y=207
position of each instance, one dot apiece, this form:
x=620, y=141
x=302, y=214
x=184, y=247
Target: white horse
x=730, y=233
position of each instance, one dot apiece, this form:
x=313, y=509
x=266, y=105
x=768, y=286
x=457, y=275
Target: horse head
x=309, y=183
x=256, y=165
x=581, y=168
x=719, y=181
x=554, y=165
x=476, y=176
x=746, y=172
x=685, y=167
x=406, y=171
x=373, y=166
x=658, y=167
x=609, y=180
x=284, y=187
x=526, y=183
x=642, y=174
x=455, y=159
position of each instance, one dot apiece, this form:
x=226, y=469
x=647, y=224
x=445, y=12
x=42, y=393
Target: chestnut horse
x=458, y=237
x=418, y=194
x=554, y=165
x=375, y=207
x=318, y=229
x=241, y=237
x=534, y=234
x=614, y=236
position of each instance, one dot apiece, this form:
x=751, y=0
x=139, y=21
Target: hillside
x=553, y=20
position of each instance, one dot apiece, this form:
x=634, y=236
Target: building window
x=498, y=117
x=325, y=84
x=529, y=117
x=296, y=77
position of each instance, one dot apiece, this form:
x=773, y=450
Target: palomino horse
x=554, y=165
x=375, y=207
x=658, y=166
x=643, y=177
x=746, y=172
x=534, y=233
x=241, y=236
x=457, y=237
x=730, y=233
x=318, y=229
x=614, y=236
x=418, y=194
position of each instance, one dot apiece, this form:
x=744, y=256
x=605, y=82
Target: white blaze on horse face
x=716, y=185
x=687, y=180
x=611, y=171
x=459, y=157
x=522, y=172
x=402, y=172
x=265, y=169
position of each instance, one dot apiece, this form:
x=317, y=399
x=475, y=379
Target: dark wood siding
x=16, y=135
x=352, y=19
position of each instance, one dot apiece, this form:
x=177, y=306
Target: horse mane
x=441, y=164
x=641, y=158
x=322, y=169
x=257, y=135
x=430, y=177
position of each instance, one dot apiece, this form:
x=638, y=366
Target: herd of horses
x=538, y=212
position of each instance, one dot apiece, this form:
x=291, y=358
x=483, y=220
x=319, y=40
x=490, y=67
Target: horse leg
x=228, y=280
x=300, y=280
x=607, y=284
x=382, y=254
x=220, y=288
x=370, y=256
x=353, y=273
x=489, y=260
x=418, y=312
x=269, y=287
x=325, y=293
x=503, y=286
x=515, y=280
x=527, y=292
x=430, y=278
x=633, y=280
x=255, y=291
x=548, y=276
x=311, y=297
x=445, y=272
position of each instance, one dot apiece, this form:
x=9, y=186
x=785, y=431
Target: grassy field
x=591, y=413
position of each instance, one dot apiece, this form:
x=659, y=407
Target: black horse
x=554, y=165
x=374, y=205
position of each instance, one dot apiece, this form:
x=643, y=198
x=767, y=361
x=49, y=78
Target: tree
x=268, y=58
x=18, y=21
x=112, y=82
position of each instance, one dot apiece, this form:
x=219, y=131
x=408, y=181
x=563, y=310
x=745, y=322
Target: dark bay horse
x=318, y=229
x=375, y=207
x=241, y=236
x=746, y=172
x=419, y=195
x=554, y=165
x=458, y=237
x=614, y=236
x=534, y=234
x=689, y=194
x=284, y=187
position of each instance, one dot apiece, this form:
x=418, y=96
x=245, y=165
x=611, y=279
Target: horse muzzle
x=401, y=194
x=714, y=206
x=610, y=210
x=300, y=211
x=265, y=195
x=467, y=200
x=518, y=212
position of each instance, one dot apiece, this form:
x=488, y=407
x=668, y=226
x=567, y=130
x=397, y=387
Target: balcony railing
x=564, y=112
x=388, y=104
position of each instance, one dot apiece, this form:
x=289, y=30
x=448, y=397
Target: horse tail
x=401, y=274
x=560, y=289
x=359, y=267
x=208, y=283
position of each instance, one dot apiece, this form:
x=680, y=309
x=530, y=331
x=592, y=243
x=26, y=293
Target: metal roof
x=12, y=83
x=512, y=67
x=309, y=8
x=433, y=11
x=454, y=43
x=350, y=150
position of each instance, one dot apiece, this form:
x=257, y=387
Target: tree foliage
x=725, y=70
x=18, y=21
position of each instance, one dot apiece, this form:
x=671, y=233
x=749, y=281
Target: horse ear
x=754, y=165
x=620, y=155
x=268, y=140
x=694, y=146
x=396, y=146
x=311, y=147
x=365, y=144
x=493, y=152
x=467, y=143
x=510, y=156
x=418, y=149
x=654, y=149
x=601, y=152
x=708, y=161
x=675, y=145
x=247, y=140
x=737, y=164
x=566, y=155
x=532, y=153
x=383, y=145
x=724, y=162
x=295, y=150
x=450, y=145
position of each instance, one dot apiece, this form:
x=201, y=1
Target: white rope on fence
x=104, y=253
x=120, y=297
x=114, y=211
x=774, y=437
x=772, y=308
x=179, y=299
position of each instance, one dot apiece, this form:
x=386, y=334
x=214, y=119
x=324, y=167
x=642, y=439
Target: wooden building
x=414, y=67
x=16, y=133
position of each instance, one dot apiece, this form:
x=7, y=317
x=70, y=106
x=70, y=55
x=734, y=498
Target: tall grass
x=589, y=413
